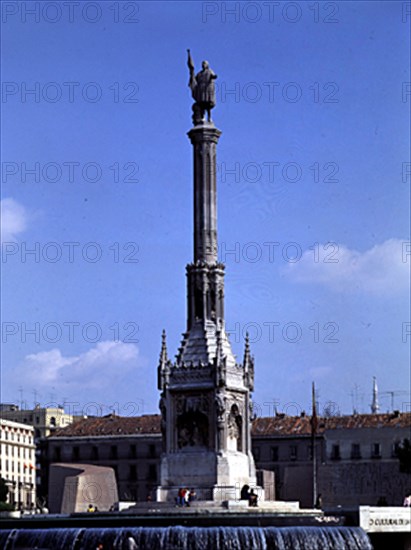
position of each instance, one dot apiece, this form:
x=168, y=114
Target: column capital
x=204, y=132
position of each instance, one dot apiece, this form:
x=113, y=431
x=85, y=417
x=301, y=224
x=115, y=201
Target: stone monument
x=205, y=399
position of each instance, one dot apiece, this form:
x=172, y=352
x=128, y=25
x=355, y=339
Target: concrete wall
x=345, y=484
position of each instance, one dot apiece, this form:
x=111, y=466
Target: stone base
x=267, y=506
x=213, y=476
x=231, y=493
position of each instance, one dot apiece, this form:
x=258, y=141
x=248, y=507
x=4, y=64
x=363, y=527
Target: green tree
x=4, y=490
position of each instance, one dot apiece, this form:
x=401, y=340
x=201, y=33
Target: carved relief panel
x=192, y=421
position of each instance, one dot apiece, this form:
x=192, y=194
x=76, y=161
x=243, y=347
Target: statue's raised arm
x=202, y=89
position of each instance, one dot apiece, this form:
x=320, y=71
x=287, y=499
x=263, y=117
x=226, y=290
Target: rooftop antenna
x=393, y=393
x=354, y=397
x=21, y=396
x=34, y=392
x=314, y=425
x=52, y=396
x=375, y=407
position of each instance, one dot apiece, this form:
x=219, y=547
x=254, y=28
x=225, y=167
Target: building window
x=94, y=453
x=152, y=450
x=52, y=421
x=335, y=452
x=274, y=454
x=75, y=453
x=133, y=451
x=133, y=472
x=152, y=472
x=293, y=452
x=376, y=450
x=355, y=451
x=256, y=453
x=309, y=452
x=37, y=420
x=113, y=452
x=394, y=449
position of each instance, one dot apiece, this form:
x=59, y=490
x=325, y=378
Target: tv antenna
x=392, y=394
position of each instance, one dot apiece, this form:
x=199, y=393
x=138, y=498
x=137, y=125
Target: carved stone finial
x=219, y=351
x=247, y=355
x=163, y=352
x=248, y=365
x=163, y=364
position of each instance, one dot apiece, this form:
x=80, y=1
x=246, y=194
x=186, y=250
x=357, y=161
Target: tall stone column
x=205, y=276
x=204, y=138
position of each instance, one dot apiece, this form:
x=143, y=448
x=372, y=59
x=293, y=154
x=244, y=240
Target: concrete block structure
x=72, y=488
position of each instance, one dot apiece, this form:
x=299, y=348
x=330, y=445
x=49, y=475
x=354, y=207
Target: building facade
x=18, y=463
x=283, y=444
x=129, y=445
x=44, y=419
x=356, y=456
x=362, y=462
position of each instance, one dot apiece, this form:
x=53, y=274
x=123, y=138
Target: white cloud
x=13, y=219
x=383, y=269
x=320, y=372
x=99, y=367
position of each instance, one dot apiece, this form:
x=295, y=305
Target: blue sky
x=313, y=197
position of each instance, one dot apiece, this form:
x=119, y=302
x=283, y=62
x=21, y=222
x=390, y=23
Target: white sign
x=385, y=519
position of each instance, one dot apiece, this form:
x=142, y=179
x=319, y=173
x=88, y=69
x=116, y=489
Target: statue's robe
x=203, y=88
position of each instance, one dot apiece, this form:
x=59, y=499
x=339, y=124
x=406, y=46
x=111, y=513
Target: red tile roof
x=356, y=421
x=300, y=425
x=280, y=425
x=112, y=425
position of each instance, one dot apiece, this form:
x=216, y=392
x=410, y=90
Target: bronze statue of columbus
x=202, y=89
